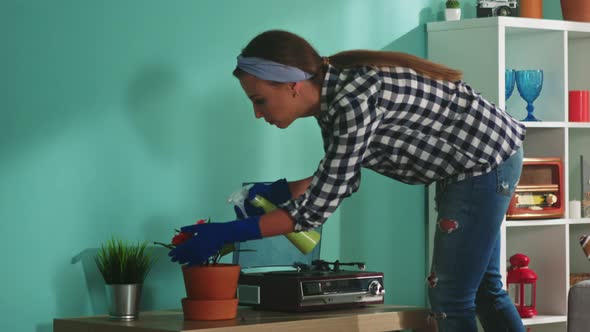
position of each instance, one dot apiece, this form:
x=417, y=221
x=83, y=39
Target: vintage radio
x=539, y=193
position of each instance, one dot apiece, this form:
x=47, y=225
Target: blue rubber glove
x=277, y=193
x=209, y=238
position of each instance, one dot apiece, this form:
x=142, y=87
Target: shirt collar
x=328, y=91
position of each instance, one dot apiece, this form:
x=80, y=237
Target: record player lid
x=276, y=251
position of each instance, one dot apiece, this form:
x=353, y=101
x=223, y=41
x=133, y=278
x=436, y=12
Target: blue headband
x=271, y=71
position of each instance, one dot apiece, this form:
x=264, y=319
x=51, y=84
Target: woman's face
x=278, y=103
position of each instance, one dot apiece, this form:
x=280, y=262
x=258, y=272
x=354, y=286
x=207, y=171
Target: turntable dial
x=375, y=287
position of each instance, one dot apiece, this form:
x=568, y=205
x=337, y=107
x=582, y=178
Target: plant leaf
x=228, y=248
x=165, y=245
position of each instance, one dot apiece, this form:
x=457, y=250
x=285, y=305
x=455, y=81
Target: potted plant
x=452, y=10
x=124, y=267
x=210, y=287
x=576, y=10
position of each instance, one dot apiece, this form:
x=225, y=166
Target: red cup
x=579, y=111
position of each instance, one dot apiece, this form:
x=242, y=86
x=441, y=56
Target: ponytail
x=355, y=58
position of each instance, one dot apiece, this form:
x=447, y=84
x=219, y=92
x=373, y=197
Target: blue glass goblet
x=529, y=84
x=510, y=80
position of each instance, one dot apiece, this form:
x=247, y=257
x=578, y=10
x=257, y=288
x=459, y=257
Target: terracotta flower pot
x=576, y=10
x=531, y=8
x=209, y=310
x=211, y=282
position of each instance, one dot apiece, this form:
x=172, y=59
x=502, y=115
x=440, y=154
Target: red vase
x=211, y=291
x=576, y=10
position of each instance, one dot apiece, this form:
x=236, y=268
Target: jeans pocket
x=508, y=174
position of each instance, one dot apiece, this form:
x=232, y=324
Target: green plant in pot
x=124, y=267
x=211, y=286
x=452, y=10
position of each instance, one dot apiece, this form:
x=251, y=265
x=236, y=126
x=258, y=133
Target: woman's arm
x=276, y=222
x=298, y=188
x=279, y=221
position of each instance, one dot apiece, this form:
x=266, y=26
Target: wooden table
x=370, y=318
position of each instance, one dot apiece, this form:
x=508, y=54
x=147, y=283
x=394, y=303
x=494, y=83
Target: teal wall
x=122, y=118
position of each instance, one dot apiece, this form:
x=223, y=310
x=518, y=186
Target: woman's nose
x=257, y=114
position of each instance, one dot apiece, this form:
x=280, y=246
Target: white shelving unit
x=483, y=48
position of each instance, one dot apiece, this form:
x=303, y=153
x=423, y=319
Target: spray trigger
x=238, y=198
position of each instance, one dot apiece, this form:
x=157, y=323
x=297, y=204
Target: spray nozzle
x=238, y=198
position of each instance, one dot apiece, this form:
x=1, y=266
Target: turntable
x=276, y=276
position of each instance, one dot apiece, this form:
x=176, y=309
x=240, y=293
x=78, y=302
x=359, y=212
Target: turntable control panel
x=372, y=286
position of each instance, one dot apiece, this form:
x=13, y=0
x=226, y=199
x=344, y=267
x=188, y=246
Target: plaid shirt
x=405, y=126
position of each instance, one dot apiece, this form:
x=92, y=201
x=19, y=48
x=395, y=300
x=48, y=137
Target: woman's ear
x=295, y=88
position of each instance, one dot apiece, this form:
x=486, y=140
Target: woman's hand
x=209, y=238
x=276, y=192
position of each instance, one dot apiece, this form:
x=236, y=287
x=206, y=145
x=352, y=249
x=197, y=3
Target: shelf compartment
x=578, y=145
x=546, y=246
x=579, y=263
x=578, y=70
x=519, y=47
x=545, y=142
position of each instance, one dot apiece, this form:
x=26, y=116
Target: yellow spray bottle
x=304, y=241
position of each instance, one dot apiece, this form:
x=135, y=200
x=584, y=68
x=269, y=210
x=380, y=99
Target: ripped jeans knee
x=447, y=226
x=452, y=302
x=436, y=317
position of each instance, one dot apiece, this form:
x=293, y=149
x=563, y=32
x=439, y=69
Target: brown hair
x=290, y=49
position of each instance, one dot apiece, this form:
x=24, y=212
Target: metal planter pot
x=123, y=301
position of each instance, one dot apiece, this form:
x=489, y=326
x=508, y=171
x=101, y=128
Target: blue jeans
x=465, y=277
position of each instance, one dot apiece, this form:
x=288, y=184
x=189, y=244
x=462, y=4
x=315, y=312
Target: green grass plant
x=122, y=262
x=453, y=4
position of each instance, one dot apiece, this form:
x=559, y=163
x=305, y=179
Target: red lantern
x=522, y=285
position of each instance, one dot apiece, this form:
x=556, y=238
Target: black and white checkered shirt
x=405, y=126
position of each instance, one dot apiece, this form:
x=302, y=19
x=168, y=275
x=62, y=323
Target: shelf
x=561, y=49
x=515, y=25
x=535, y=222
x=578, y=124
x=544, y=319
x=581, y=221
x=544, y=124
x=547, y=222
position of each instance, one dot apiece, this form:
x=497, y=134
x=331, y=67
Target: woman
x=406, y=118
